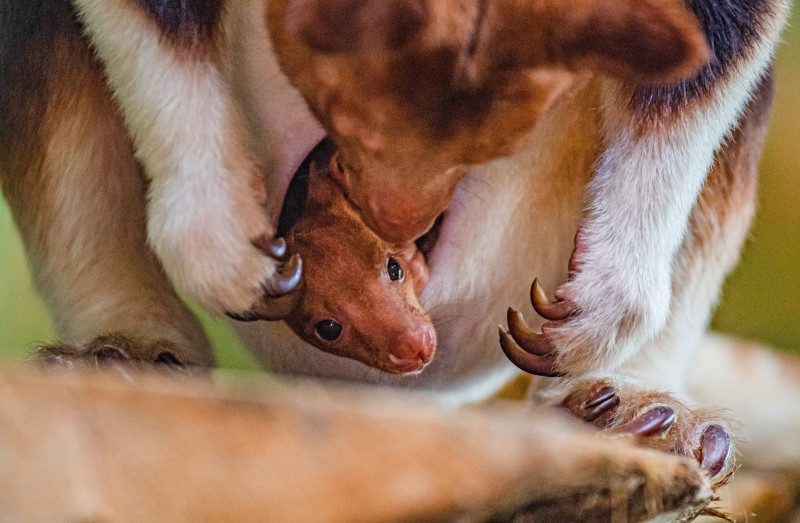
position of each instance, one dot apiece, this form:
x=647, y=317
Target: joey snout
x=413, y=350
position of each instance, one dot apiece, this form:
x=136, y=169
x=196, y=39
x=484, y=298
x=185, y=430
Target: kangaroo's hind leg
x=647, y=397
x=78, y=198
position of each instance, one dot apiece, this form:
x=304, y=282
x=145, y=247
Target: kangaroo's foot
x=118, y=353
x=656, y=420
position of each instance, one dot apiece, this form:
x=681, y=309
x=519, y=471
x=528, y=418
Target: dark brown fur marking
x=185, y=20
x=34, y=40
x=346, y=26
x=731, y=28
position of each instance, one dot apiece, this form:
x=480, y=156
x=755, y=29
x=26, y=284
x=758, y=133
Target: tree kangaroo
x=359, y=298
x=607, y=148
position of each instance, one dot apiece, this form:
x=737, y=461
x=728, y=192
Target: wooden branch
x=81, y=447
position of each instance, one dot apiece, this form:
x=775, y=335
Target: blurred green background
x=761, y=299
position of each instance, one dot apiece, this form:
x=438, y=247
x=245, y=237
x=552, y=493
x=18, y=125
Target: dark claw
x=552, y=310
x=602, y=395
x=605, y=401
x=243, y=316
x=169, y=361
x=286, y=278
x=528, y=340
x=540, y=365
x=280, y=294
x=597, y=408
x=114, y=358
x=110, y=355
x=715, y=445
x=654, y=422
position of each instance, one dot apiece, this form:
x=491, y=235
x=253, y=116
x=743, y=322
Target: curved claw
x=110, y=355
x=594, y=407
x=654, y=422
x=605, y=401
x=540, y=365
x=115, y=359
x=528, y=340
x=169, y=361
x=715, y=445
x=286, y=278
x=554, y=311
x=280, y=297
x=270, y=308
x=277, y=248
x=272, y=247
x=602, y=395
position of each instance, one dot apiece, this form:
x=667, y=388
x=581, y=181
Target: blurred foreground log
x=89, y=447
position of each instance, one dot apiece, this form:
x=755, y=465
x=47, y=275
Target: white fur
x=646, y=183
x=203, y=213
x=282, y=127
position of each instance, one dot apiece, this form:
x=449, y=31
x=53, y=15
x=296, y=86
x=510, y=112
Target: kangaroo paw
x=596, y=406
x=656, y=420
x=278, y=296
x=118, y=353
x=599, y=317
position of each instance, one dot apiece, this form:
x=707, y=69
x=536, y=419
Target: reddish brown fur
x=345, y=279
x=478, y=79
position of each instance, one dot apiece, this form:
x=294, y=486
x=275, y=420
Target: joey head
x=359, y=296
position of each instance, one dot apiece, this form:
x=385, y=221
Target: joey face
x=360, y=293
x=359, y=301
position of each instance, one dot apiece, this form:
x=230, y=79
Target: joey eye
x=395, y=271
x=328, y=330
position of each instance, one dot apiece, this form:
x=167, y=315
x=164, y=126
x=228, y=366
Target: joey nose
x=414, y=351
x=427, y=339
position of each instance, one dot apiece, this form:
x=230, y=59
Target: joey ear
x=637, y=40
x=346, y=26
x=322, y=189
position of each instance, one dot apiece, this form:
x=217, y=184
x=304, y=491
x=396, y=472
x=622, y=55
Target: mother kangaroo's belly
x=282, y=129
